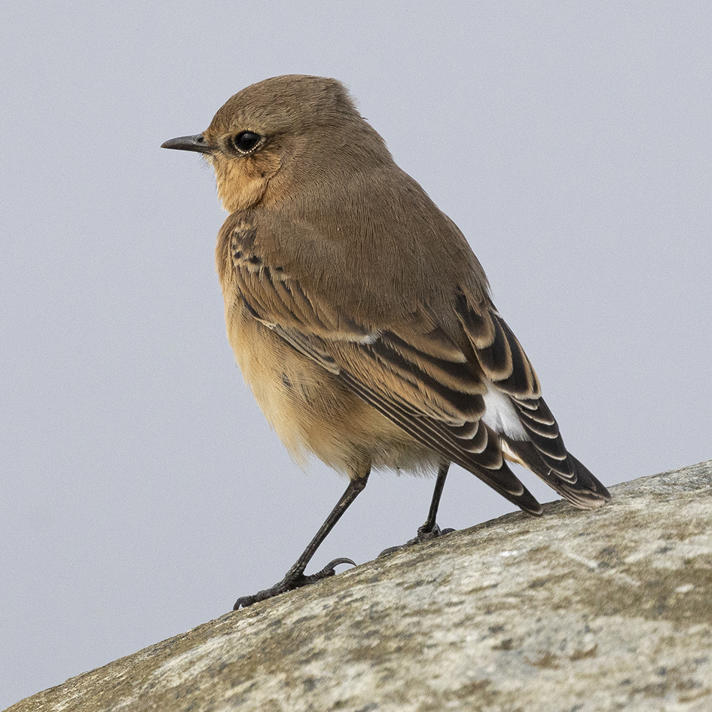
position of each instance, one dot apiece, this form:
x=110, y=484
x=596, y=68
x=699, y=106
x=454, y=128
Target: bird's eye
x=245, y=141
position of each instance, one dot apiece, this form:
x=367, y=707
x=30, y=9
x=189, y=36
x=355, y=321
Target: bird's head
x=281, y=135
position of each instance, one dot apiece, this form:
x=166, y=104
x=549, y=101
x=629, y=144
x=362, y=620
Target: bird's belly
x=312, y=411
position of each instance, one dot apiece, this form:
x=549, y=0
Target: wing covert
x=412, y=372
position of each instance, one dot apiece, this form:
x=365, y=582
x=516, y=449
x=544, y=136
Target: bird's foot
x=290, y=582
x=424, y=534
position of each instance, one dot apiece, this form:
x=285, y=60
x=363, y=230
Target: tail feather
x=584, y=491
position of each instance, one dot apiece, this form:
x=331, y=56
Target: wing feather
x=411, y=372
x=504, y=362
x=429, y=381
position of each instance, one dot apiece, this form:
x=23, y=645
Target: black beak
x=188, y=143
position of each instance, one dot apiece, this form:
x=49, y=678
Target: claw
x=332, y=564
x=328, y=570
x=422, y=536
x=391, y=550
x=243, y=602
x=288, y=584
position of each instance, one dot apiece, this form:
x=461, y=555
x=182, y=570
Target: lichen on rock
x=602, y=610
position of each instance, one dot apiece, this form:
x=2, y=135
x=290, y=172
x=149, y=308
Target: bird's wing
x=504, y=363
x=411, y=370
x=542, y=450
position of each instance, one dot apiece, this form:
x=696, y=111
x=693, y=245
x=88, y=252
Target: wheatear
x=358, y=313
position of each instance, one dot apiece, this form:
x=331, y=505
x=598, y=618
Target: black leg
x=430, y=529
x=295, y=578
x=430, y=523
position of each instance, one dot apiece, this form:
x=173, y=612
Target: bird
x=360, y=316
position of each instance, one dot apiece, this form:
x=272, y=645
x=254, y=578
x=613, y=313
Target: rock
x=602, y=610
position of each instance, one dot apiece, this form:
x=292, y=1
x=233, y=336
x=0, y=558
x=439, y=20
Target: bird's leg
x=429, y=529
x=295, y=578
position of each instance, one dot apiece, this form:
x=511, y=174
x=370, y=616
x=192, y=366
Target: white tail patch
x=500, y=414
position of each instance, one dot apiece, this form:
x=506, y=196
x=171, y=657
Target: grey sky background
x=142, y=490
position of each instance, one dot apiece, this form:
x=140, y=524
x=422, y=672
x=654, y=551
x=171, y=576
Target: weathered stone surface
x=604, y=610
